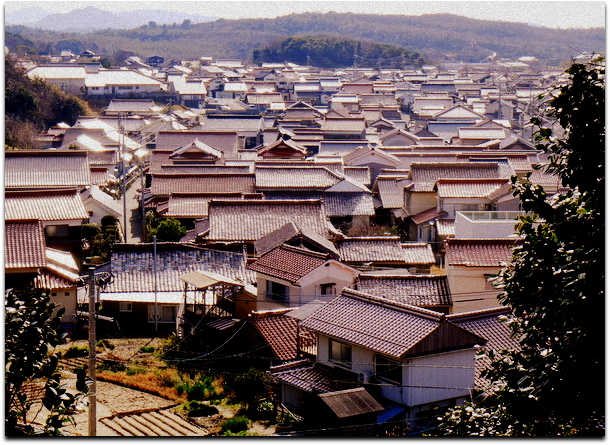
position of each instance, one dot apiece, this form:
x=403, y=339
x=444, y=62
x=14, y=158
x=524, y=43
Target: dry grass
x=151, y=383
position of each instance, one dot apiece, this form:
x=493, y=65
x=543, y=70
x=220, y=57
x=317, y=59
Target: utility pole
x=92, y=395
x=123, y=168
x=155, y=275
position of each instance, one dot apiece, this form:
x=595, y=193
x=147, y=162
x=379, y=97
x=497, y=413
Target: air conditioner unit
x=363, y=377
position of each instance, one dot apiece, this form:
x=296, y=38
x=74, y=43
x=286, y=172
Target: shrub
x=236, y=424
x=111, y=366
x=147, y=349
x=104, y=344
x=198, y=409
x=167, y=378
x=134, y=371
x=76, y=351
x=108, y=220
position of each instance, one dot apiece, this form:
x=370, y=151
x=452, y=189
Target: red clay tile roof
x=279, y=331
x=288, y=262
x=44, y=206
x=427, y=215
x=24, y=245
x=478, y=252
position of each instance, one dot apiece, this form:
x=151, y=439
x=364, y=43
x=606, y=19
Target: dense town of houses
x=348, y=219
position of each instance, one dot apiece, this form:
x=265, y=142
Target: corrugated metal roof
x=351, y=402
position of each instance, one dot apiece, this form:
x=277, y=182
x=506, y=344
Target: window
x=388, y=368
x=57, y=231
x=125, y=87
x=125, y=306
x=277, y=291
x=66, y=294
x=165, y=313
x=328, y=290
x=340, y=353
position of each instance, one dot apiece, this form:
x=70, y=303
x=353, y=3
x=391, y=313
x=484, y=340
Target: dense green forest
x=33, y=105
x=328, y=52
x=437, y=37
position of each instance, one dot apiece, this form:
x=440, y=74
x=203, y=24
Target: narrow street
x=134, y=215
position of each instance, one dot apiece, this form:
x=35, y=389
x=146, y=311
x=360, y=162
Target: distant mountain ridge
x=437, y=37
x=91, y=19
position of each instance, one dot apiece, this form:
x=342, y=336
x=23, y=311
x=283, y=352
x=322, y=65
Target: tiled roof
x=289, y=178
x=349, y=204
x=133, y=270
x=360, y=174
x=279, y=331
x=203, y=169
x=478, y=252
x=425, y=176
x=45, y=206
x=24, y=245
x=288, y=232
x=486, y=324
x=251, y=220
x=417, y=290
x=384, y=326
x=165, y=184
x=371, y=249
x=309, y=377
x=188, y=205
x=445, y=226
x=45, y=168
x=468, y=188
x=343, y=125
x=427, y=215
x=226, y=141
x=288, y=262
x=49, y=280
x=546, y=180
x=196, y=147
x=418, y=253
x=391, y=191
x=283, y=144
x=351, y=402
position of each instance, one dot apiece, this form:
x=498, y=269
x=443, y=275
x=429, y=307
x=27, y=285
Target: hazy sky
x=555, y=14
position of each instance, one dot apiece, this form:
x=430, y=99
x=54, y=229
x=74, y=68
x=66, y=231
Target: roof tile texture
x=280, y=332
x=24, y=245
x=50, y=169
x=44, y=206
x=478, y=252
x=288, y=262
x=417, y=290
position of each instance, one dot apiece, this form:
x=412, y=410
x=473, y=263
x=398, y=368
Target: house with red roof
x=289, y=276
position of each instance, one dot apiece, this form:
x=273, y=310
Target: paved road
x=134, y=216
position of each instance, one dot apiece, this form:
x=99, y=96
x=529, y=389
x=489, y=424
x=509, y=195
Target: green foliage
x=35, y=105
x=147, y=349
x=102, y=343
x=201, y=388
x=236, y=424
x=76, y=351
x=111, y=366
x=31, y=333
x=135, y=371
x=100, y=239
x=198, y=409
x=555, y=285
x=329, y=52
x=170, y=230
x=251, y=388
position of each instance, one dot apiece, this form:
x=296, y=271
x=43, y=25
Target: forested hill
x=438, y=37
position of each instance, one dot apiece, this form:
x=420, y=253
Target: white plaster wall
x=469, y=288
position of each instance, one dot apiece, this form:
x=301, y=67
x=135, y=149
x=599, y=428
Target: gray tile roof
x=371, y=249
x=46, y=168
x=289, y=232
x=392, y=191
x=193, y=205
x=251, y=220
x=165, y=184
x=424, y=176
x=417, y=290
x=349, y=204
x=289, y=178
x=468, y=188
x=49, y=205
x=374, y=323
x=418, y=253
x=310, y=377
x=133, y=270
x=360, y=174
